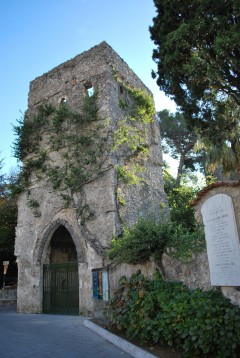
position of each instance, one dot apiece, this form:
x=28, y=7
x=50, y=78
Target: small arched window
x=123, y=95
x=89, y=89
x=74, y=81
x=63, y=100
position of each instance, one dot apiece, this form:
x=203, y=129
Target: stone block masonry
x=75, y=197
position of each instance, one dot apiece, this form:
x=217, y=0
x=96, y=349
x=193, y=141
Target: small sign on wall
x=100, y=284
x=223, y=247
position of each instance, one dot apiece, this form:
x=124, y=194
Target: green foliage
x=198, y=323
x=131, y=136
x=90, y=107
x=81, y=147
x=28, y=132
x=8, y=210
x=85, y=212
x=66, y=199
x=181, y=237
x=120, y=197
x=32, y=203
x=142, y=108
x=197, y=55
x=61, y=114
x=179, y=142
x=132, y=131
x=139, y=243
x=185, y=242
x=148, y=238
x=180, y=196
x=2, y=177
x=55, y=175
x=8, y=222
x=130, y=176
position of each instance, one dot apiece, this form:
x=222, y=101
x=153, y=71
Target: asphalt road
x=45, y=336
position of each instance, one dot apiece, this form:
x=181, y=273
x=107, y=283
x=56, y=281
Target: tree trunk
x=180, y=168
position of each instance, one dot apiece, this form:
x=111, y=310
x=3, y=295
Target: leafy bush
x=138, y=243
x=180, y=195
x=197, y=322
x=150, y=238
x=184, y=242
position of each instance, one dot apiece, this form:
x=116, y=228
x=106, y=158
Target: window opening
x=63, y=100
x=89, y=89
x=121, y=89
x=74, y=81
x=123, y=95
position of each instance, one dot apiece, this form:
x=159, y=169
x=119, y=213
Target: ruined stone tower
x=92, y=161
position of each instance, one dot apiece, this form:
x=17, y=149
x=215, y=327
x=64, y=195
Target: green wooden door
x=61, y=289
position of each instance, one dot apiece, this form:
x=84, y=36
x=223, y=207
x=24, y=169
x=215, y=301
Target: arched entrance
x=60, y=275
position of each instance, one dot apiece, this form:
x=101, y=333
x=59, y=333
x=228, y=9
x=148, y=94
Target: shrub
x=150, y=238
x=156, y=311
x=140, y=242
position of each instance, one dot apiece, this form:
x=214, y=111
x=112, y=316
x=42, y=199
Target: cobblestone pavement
x=45, y=336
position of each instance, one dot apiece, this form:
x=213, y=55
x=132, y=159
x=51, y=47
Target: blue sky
x=37, y=35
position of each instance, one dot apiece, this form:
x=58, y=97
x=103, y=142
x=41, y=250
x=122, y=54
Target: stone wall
x=232, y=189
x=194, y=274
x=8, y=297
x=68, y=83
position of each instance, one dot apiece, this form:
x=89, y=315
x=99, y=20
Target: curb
x=126, y=346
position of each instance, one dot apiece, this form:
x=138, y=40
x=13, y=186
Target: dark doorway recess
x=60, y=276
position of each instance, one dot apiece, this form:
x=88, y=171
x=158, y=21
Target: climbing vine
x=74, y=139
x=131, y=137
x=71, y=149
x=80, y=145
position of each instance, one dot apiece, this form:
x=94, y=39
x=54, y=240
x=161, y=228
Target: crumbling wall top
x=93, y=62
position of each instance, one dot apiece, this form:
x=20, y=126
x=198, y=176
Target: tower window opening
x=74, y=81
x=89, y=89
x=63, y=100
x=123, y=95
x=121, y=90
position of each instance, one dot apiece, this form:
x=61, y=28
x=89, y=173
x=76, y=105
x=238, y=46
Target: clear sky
x=37, y=35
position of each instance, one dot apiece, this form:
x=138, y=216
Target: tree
x=8, y=211
x=180, y=194
x=179, y=142
x=197, y=58
x=1, y=179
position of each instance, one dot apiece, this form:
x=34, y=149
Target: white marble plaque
x=105, y=286
x=223, y=246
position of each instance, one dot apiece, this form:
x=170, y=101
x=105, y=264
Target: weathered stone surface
x=92, y=234
x=232, y=190
x=194, y=274
x=8, y=297
x=222, y=240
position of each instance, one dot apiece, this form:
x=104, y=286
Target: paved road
x=45, y=336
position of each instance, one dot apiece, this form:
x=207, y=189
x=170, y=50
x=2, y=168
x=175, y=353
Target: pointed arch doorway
x=60, y=275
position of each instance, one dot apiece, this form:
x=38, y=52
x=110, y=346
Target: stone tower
x=92, y=161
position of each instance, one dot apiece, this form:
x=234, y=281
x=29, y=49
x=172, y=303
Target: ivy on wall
x=79, y=144
x=82, y=142
x=131, y=137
